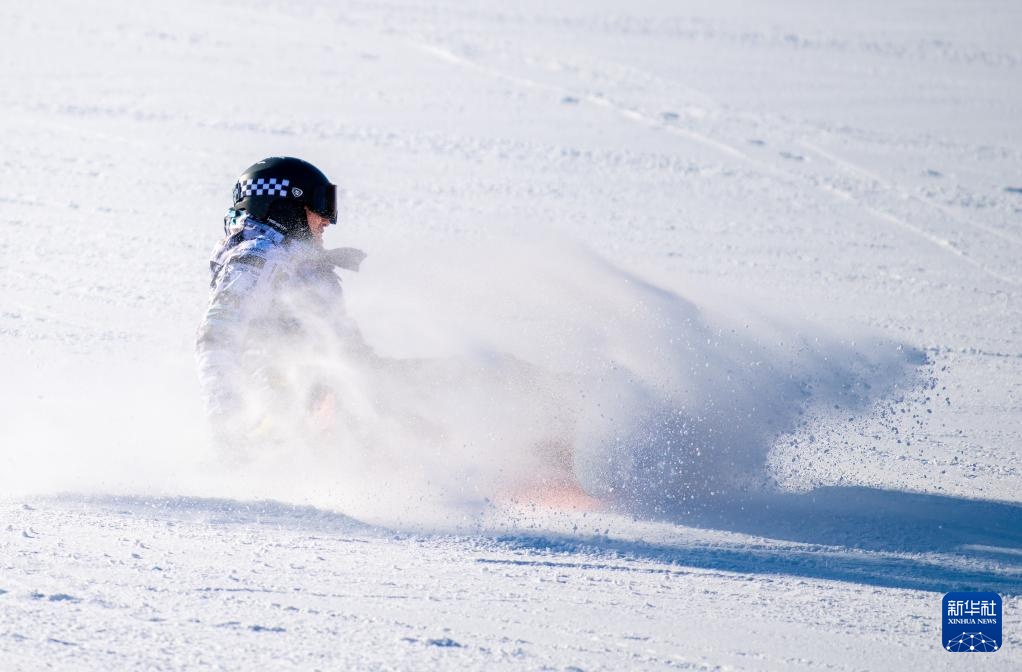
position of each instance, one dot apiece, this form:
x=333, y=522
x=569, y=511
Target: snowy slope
x=795, y=226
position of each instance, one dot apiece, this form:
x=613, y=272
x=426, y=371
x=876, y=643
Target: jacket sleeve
x=241, y=293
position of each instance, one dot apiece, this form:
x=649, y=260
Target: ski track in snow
x=854, y=166
x=729, y=149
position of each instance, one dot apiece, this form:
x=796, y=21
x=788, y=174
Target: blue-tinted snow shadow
x=218, y=511
x=860, y=535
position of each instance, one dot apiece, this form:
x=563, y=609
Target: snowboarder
x=276, y=303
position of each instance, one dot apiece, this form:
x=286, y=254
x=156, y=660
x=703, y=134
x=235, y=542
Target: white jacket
x=271, y=298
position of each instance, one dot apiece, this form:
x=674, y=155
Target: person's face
x=317, y=223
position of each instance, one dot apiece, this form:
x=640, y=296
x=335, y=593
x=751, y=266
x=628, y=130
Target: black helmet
x=285, y=181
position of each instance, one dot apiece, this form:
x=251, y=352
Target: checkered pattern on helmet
x=265, y=186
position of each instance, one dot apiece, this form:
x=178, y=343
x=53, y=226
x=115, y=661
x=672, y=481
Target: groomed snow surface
x=765, y=257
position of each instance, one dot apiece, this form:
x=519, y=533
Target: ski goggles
x=323, y=201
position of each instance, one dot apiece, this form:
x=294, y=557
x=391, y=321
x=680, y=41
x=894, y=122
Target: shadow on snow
x=218, y=511
x=862, y=535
